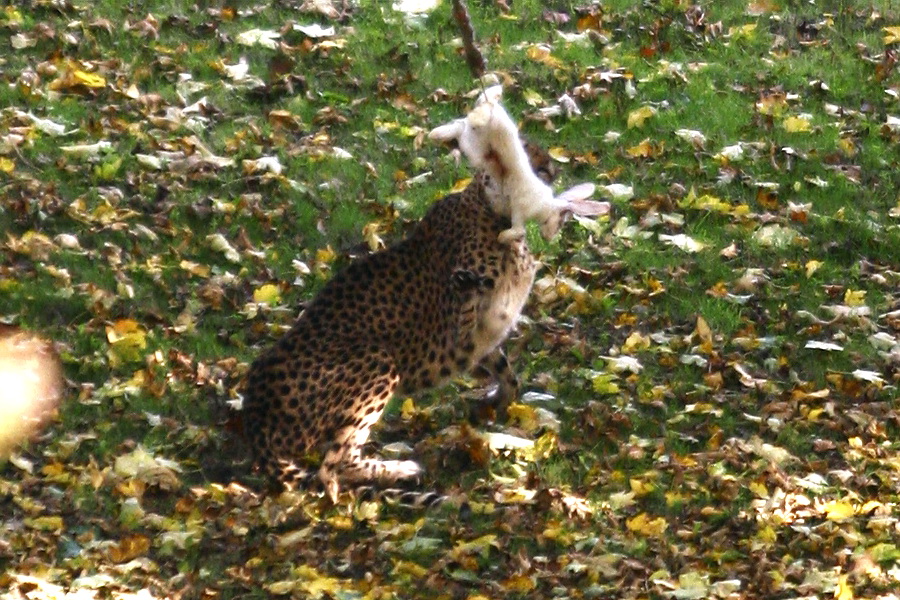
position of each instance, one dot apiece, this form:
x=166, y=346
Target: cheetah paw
x=395, y=470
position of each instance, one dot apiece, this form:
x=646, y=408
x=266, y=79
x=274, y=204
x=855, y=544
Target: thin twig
x=474, y=57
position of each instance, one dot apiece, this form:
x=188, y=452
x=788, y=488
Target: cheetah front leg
x=496, y=366
x=344, y=463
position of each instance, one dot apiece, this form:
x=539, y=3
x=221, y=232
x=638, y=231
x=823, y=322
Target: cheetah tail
x=414, y=499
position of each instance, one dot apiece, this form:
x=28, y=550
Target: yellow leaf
x=747, y=31
x=315, y=584
x=759, y=489
x=641, y=488
x=796, y=124
x=532, y=98
x=268, y=293
x=91, y=80
x=107, y=171
x=855, y=297
x=673, y=498
x=6, y=164
x=519, y=583
x=605, y=383
x=403, y=567
x=541, y=53
x=460, y=185
x=545, y=445
x=11, y=16
x=703, y=331
x=281, y=588
x=704, y=202
x=772, y=104
x=812, y=266
x=891, y=35
x=767, y=534
x=646, y=149
x=195, y=268
x=814, y=414
x=325, y=255
x=54, y=523
x=478, y=545
x=370, y=234
x=843, y=591
x=340, y=521
x=408, y=409
x=637, y=117
x=131, y=488
x=127, y=341
x=837, y=510
x=870, y=506
x=847, y=146
x=54, y=469
x=523, y=415
x=559, y=154
x=635, y=342
x=646, y=526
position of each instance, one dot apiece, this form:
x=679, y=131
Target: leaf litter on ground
x=711, y=376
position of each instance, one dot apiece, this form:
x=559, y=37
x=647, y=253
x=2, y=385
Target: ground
x=710, y=374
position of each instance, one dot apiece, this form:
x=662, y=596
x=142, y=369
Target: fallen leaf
x=259, y=37
x=647, y=526
x=682, y=242
x=639, y=116
x=798, y=124
x=268, y=293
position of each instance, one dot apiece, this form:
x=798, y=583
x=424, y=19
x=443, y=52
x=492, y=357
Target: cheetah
x=401, y=320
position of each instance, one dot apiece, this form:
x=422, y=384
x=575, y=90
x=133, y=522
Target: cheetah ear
x=448, y=132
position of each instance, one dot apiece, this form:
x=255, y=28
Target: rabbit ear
x=579, y=192
x=448, y=132
x=576, y=201
x=588, y=208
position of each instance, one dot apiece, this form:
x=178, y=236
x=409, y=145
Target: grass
x=677, y=478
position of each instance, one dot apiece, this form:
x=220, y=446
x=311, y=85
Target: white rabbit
x=489, y=139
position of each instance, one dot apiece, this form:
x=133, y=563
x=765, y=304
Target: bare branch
x=474, y=57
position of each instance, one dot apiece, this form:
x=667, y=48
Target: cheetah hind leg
x=343, y=463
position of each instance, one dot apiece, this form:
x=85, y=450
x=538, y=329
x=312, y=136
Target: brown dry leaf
x=590, y=21
x=129, y=548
